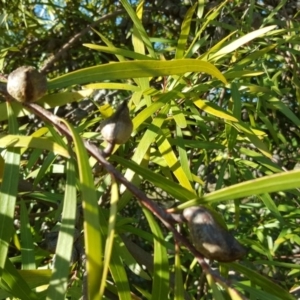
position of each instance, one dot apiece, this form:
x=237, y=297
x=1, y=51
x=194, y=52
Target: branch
x=76, y=37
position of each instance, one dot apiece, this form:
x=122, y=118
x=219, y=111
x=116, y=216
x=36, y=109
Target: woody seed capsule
x=211, y=239
x=26, y=84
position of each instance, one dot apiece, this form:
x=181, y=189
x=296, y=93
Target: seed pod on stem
x=118, y=127
x=26, y=84
x=210, y=238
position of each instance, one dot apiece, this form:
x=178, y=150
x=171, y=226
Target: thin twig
x=75, y=38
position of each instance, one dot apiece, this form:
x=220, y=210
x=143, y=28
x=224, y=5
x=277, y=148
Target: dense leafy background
x=213, y=90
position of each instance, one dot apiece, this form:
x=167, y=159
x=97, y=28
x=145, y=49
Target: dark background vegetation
x=218, y=154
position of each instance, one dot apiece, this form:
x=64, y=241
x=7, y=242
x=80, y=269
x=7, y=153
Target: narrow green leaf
x=128, y=259
x=47, y=163
x=119, y=275
x=262, y=281
x=119, y=51
x=12, y=282
x=92, y=231
x=197, y=144
x=48, y=101
x=9, y=190
x=147, y=236
x=139, y=47
x=178, y=116
x=174, y=165
x=200, y=10
x=17, y=141
x=110, y=45
x=255, y=89
x=251, y=134
x=137, y=40
x=171, y=187
x=224, y=168
x=27, y=248
x=149, y=111
x=244, y=127
x=216, y=292
x=113, y=86
x=256, y=293
x=260, y=159
x=160, y=286
x=214, y=110
x=147, y=139
x=211, y=15
x=206, y=56
x=267, y=184
x=277, y=263
x=114, y=197
x=35, y=278
x=244, y=73
x=280, y=106
x=270, y=127
x=184, y=161
x=237, y=100
x=135, y=69
x=258, y=54
x=178, y=286
x=146, y=295
x=139, y=26
x=62, y=98
x=233, y=294
x=270, y=204
x=185, y=30
x=231, y=133
x=58, y=284
x=239, y=42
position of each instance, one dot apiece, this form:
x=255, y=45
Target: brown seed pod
x=26, y=84
x=210, y=238
x=117, y=128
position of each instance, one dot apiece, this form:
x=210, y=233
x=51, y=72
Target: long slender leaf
x=174, y=165
x=110, y=233
x=185, y=30
x=139, y=26
x=92, y=231
x=272, y=183
x=119, y=51
x=239, y=42
x=32, y=142
x=160, y=287
x=262, y=281
x=63, y=255
x=173, y=188
x=178, y=287
x=12, y=282
x=119, y=275
x=9, y=189
x=134, y=69
x=27, y=248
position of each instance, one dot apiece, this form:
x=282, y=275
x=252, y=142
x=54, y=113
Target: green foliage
x=215, y=108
